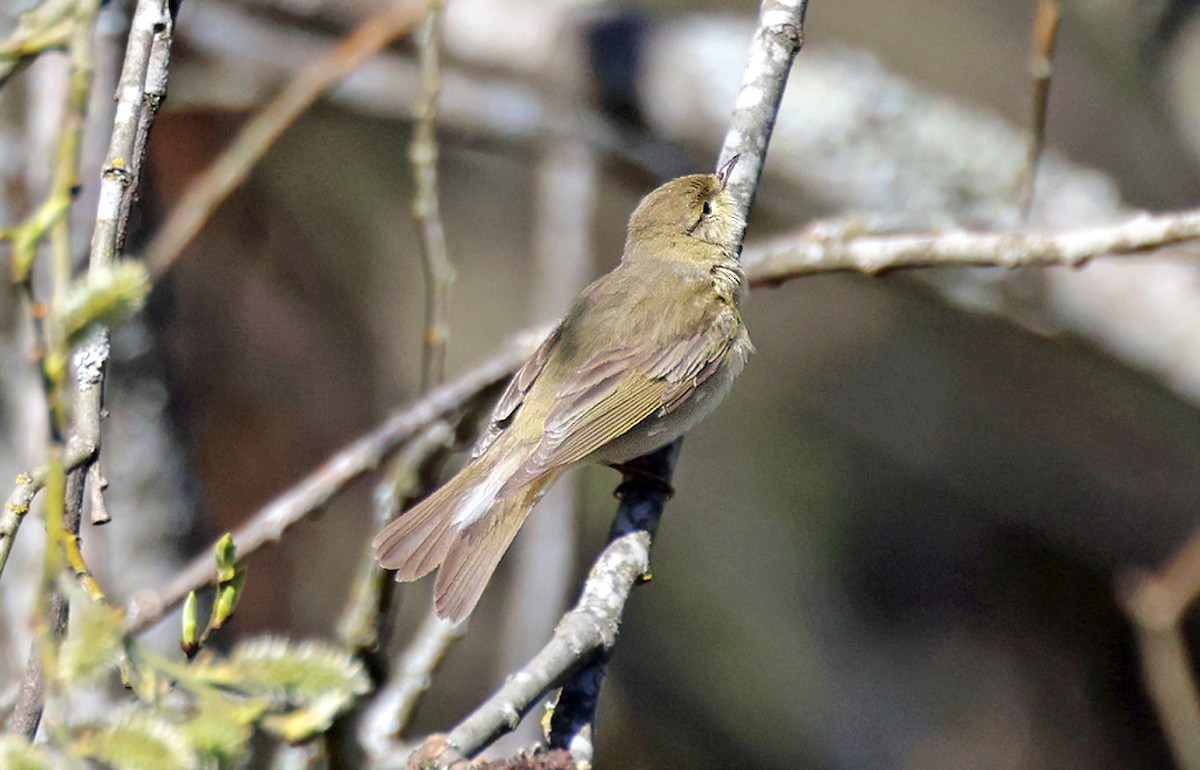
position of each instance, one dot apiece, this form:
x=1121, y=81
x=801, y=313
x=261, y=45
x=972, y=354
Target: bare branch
x=590, y=628
x=212, y=186
x=439, y=272
x=1155, y=604
x=28, y=485
x=777, y=40
x=395, y=704
x=145, y=61
x=1041, y=68
x=270, y=522
x=825, y=247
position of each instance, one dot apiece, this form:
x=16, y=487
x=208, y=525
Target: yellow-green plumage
x=646, y=352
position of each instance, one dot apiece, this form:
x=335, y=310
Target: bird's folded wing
x=619, y=387
x=514, y=394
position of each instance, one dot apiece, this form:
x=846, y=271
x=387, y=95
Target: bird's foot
x=638, y=476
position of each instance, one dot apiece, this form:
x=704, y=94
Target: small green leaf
x=188, y=640
x=17, y=754
x=226, y=553
x=140, y=741
x=223, y=725
x=95, y=641
x=297, y=674
x=105, y=294
x=303, y=723
x=228, y=594
x=143, y=680
x=27, y=235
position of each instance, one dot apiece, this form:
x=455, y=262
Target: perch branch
x=540, y=585
x=590, y=627
x=589, y=630
x=777, y=40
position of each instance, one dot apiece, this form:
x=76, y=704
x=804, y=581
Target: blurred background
x=895, y=546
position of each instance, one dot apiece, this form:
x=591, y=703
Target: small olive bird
x=645, y=353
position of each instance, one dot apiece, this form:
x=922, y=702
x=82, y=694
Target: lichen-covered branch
x=777, y=40
x=27, y=486
x=590, y=627
x=828, y=247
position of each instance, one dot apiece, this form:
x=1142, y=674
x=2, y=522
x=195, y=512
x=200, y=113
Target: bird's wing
x=518, y=388
x=619, y=386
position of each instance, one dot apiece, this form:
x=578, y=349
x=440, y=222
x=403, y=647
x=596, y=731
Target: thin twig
x=439, y=272
x=1041, y=69
x=28, y=485
x=50, y=618
x=390, y=712
x=435, y=637
x=150, y=32
x=269, y=523
x=1155, y=604
x=65, y=505
x=829, y=247
x=215, y=183
x=151, y=19
x=66, y=179
x=44, y=27
x=365, y=618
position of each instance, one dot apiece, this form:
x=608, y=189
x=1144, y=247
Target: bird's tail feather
x=473, y=555
x=416, y=543
x=462, y=528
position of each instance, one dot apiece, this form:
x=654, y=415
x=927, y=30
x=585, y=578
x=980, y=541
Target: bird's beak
x=726, y=170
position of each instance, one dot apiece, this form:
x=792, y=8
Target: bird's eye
x=707, y=210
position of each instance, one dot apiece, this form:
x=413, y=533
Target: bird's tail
x=464, y=529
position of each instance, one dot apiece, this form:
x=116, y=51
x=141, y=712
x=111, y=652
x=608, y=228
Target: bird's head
x=697, y=206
